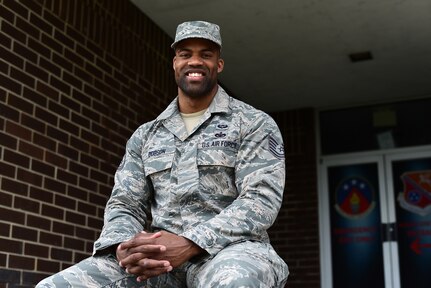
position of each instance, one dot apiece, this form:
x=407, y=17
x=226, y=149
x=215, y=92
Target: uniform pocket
x=158, y=163
x=216, y=157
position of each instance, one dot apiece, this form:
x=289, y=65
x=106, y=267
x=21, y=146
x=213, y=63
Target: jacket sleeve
x=259, y=179
x=127, y=209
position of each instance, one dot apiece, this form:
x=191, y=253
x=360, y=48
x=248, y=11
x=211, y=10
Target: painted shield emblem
x=416, y=196
x=354, y=198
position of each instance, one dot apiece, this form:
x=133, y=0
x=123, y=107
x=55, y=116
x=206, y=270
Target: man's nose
x=195, y=60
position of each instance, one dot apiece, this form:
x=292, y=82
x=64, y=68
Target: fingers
x=148, y=265
x=142, y=238
x=147, y=268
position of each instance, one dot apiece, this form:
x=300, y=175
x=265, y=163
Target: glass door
x=375, y=213
x=409, y=186
x=356, y=209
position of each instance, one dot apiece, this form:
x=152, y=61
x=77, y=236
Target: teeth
x=195, y=74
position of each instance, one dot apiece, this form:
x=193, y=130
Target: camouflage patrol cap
x=197, y=29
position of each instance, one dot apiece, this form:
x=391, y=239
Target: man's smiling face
x=197, y=63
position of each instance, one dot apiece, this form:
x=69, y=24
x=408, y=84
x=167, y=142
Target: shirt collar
x=219, y=104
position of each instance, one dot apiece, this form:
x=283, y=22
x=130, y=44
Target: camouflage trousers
x=246, y=264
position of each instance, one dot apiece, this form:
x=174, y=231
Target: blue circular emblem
x=354, y=197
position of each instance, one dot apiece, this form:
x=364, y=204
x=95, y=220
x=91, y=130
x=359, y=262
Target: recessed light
x=361, y=56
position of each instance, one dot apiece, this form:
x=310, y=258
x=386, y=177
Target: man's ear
x=220, y=65
x=173, y=62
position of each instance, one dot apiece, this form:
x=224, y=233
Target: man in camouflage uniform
x=208, y=174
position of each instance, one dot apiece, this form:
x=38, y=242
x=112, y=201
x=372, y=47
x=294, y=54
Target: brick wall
x=295, y=234
x=76, y=78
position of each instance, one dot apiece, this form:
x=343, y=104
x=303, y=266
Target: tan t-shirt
x=192, y=119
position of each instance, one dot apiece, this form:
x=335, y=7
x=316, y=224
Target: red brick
x=40, y=49
x=83, y=75
x=24, y=233
x=59, y=84
x=41, y=24
x=59, y=36
x=68, y=126
x=87, y=184
x=98, y=176
x=29, y=29
x=33, y=123
x=78, y=169
x=48, y=266
x=81, y=256
x=46, y=116
x=20, y=103
x=30, y=150
x=50, y=67
x=29, y=177
x=56, y=159
x=16, y=7
x=36, y=250
x=54, y=185
x=6, y=200
x=76, y=218
x=81, y=121
x=91, y=114
x=57, y=134
x=20, y=262
x=77, y=193
x=35, y=71
x=63, y=228
x=43, y=141
x=9, y=83
x=18, y=130
x=66, y=202
x=16, y=187
x=33, y=96
x=51, y=211
x=4, y=228
x=26, y=53
x=9, y=113
x=67, y=177
x=38, y=222
x=16, y=158
x=54, y=20
x=50, y=239
x=58, y=109
x=47, y=91
x=94, y=223
x=11, y=246
x=26, y=205
x=61, y=254
x=86, y=54
x=73, y=243
x=8, y=141
x=84, y=233
x=92, y=138
x=13, y=32
x=77, y=36
x=36, y=8
x=72, y=80
x=7, y=15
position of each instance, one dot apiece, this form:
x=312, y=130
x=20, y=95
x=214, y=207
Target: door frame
x=383, y=158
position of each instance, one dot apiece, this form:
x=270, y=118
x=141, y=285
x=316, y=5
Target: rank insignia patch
x=276, y=149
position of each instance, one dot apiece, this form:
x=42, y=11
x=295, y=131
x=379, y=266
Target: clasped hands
x=151, y=254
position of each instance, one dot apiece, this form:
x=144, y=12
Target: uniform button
x=210, y=242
